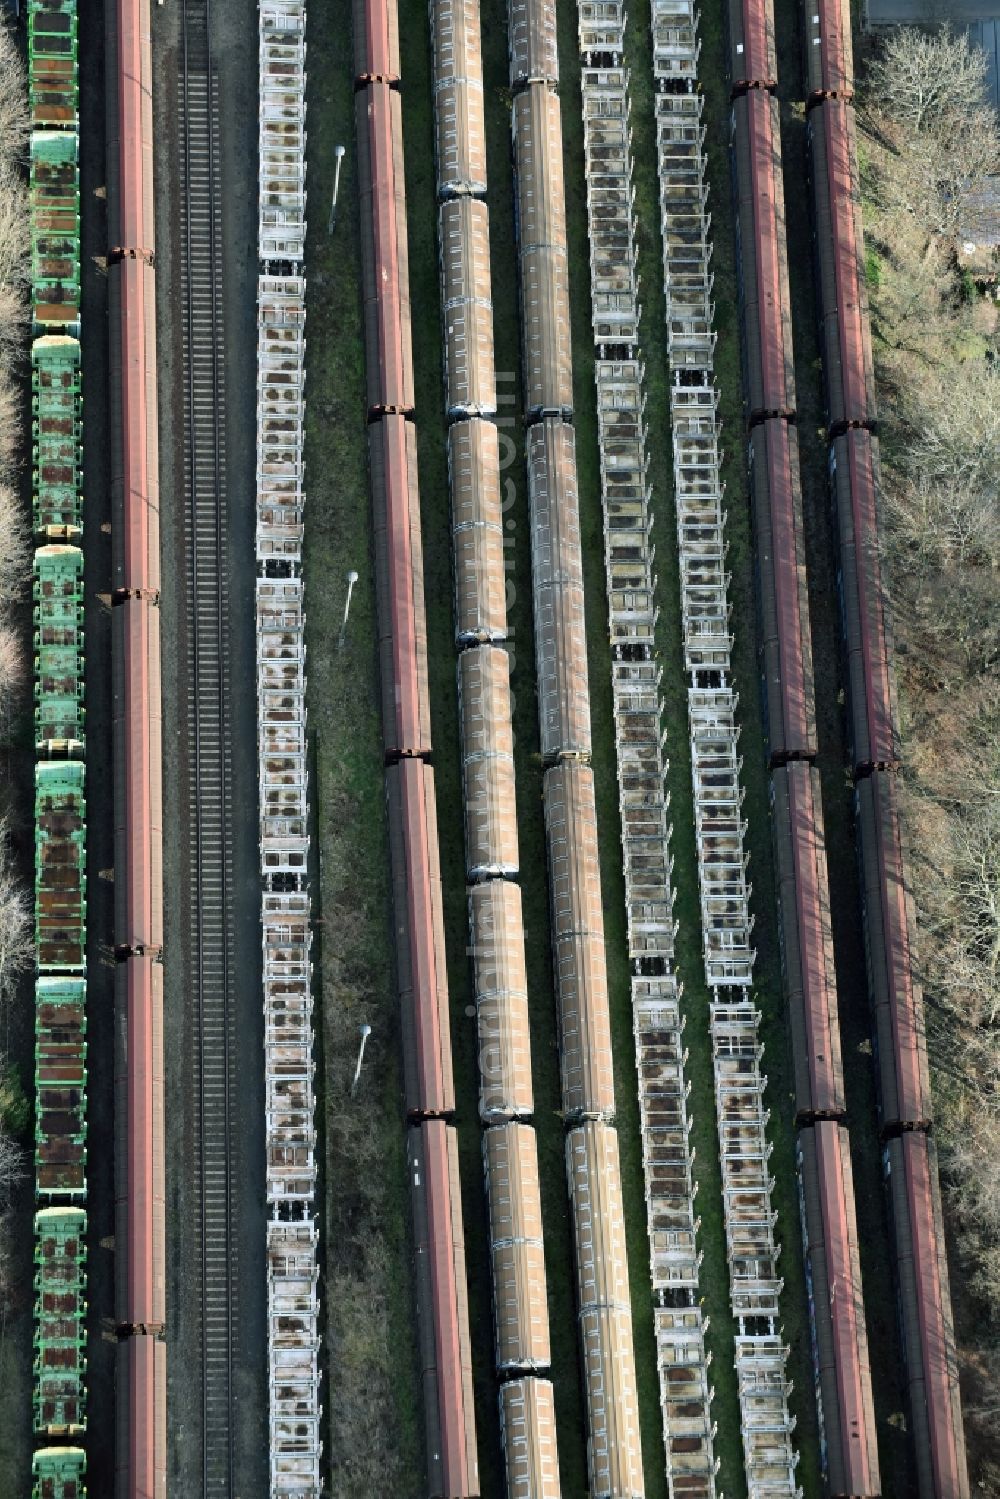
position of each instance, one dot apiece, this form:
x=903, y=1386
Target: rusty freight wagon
x=839, y=236
x=896, y=997
x=384, y=254
x=753, y=61
x=60, y=868
x=806, y=938
x=872, y=718
x=58, y=648
x=419, y=938
x=924, y=1305
x=443, y=1312
x=839, y=1335
x=768, y=362
x=60, y=1089
x=399, y=587
x=784, y=635
x=829, y=50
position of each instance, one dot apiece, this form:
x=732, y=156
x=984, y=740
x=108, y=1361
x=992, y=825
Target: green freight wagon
x=57, y=412
x=60, y=1323
x=60, y=1275
x=58, y=596
x=54, y=194
x=53, y=77
x=60, y=1089
x=60, y=869
x=58, y=1473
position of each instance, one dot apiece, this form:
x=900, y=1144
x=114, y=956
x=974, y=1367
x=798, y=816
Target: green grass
x=371, y=1397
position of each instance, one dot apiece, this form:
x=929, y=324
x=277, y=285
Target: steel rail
x=208, y=721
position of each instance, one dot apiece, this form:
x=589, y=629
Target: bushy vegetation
x=931, y=144
x=15, y=906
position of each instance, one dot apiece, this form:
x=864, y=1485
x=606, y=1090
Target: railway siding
x=679, y=1325
x=294, y=1388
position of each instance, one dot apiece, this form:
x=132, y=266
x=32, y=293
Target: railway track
x=209, y=738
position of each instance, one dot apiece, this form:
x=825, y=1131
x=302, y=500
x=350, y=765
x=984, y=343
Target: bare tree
x=15, y=550
x=14, y=122
x=11, y=1164
x=11, y=673
x=10, y=429
x=16, y=933
x=927, y=81
x=926, y=96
